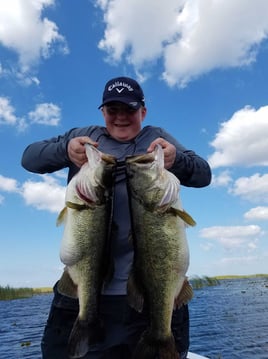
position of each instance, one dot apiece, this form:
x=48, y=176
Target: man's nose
x=121, y=112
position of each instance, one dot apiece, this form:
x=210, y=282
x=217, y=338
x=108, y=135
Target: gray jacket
x=51, y=155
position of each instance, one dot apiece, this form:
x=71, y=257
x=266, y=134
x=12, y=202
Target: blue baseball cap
x=125, y=90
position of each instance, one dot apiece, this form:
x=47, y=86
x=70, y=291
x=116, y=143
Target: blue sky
x=203, y=68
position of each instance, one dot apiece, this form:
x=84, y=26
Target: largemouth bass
x=85, y=245
x=161, y=255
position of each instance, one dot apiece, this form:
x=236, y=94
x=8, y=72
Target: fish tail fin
x=82, y=336
x=150, y=348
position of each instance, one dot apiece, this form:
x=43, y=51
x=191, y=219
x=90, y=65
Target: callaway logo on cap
x=123, y=89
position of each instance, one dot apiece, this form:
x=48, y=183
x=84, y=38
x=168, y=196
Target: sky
x=203, y=67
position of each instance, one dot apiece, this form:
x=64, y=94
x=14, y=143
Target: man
x=123, y=109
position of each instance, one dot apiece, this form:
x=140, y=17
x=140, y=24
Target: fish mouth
x=148, y=157
x=141, y=159
x=108, y=158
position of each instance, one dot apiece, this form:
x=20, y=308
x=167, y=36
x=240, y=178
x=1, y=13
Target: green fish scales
x=161, y=255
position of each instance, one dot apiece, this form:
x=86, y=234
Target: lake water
x=229, y=321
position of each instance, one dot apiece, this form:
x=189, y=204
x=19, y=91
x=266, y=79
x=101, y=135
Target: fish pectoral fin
x=61, y=216
x=66, y=286
x=135, y=295
x=185, y=295
x=183, y=215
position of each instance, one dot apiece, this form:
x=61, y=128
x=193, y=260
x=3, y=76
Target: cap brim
x=134, y=104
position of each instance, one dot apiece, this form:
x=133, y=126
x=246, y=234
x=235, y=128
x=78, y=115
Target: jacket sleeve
x=191, y=169
x=50, y=155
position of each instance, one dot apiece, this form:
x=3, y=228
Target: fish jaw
x=160, y=188
x=94, y=176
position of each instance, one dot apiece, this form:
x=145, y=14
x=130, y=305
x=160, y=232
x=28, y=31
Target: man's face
x=122, y=121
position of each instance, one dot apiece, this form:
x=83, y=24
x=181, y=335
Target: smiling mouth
x=121, y=124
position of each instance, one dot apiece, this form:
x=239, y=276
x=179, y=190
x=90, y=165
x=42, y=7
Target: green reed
x=201, y=282
x=7, y=293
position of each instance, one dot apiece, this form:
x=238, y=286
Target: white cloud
x=44, y=195
x=157, y=23
x=7, y=115
x=223, y=179
x=8, y=184
x=257, y=213
x=242, y=140
x=192, y=37
x=47, y=194
x=233, y=237
x=46, y=114
x=253, y=189
x=24, y=31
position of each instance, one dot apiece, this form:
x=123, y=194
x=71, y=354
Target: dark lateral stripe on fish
x=79, y=207
x=183, y=215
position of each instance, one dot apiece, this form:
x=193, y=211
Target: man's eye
x=112, y=110
x=130, y=110
x=116, y=110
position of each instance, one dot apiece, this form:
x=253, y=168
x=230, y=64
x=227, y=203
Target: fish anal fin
x=185, y=295
x=66, y=286
x=134, y=292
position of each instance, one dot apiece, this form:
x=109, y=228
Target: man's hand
x=168, y=148
x=76, y=149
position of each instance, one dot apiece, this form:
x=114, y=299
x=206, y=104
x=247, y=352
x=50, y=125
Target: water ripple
x=228, y=321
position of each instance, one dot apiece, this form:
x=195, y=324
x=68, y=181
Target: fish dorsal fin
x=62, y=216
x=185, y=295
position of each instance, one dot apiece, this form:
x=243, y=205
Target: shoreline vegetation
x=9, y=293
